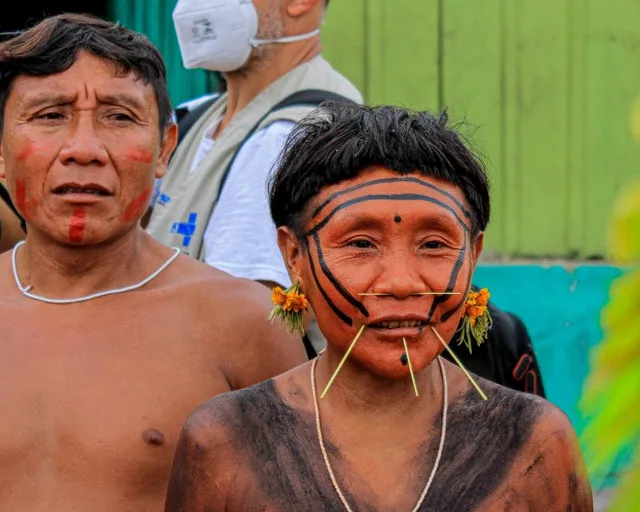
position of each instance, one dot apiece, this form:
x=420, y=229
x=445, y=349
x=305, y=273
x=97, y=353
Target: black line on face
x=452, y=281
x=385, y=197
x=335, y=309
x=447, y=314
x=334, y=281
x=466, y=212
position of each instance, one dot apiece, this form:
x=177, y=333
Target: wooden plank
x=537, y=71
x=471, y=78
x=613, y=82
x=402, y=52
x=343, y=36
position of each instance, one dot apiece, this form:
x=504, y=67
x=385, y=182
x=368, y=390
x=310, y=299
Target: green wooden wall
x=545, y=85
x=153, y=18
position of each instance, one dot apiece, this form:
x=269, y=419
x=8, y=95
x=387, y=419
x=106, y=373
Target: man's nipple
x=153, y=437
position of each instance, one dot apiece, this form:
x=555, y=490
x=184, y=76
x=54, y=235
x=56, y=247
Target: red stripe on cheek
x=27, y=151
x=136, y=207
x=139, y=155
x=76, y=225
x=26, y=207
x=21, y=195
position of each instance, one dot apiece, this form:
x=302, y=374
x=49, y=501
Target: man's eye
x=433, y=244
x=121, y=117
x=50, y=115
x=361, y=244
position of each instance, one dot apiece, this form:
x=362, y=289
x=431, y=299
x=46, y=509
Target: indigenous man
x=381, y=214
x=109, y=338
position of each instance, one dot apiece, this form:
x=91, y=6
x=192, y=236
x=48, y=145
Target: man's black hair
x=52, y=45
x=341, y=139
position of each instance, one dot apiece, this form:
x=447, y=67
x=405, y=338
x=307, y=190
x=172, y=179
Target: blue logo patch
x=185, y=229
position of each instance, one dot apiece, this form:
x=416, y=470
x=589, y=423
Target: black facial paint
x=397, y=219
x=342, y=316
x=335, y=282
x=372, y=183
x=385, y=197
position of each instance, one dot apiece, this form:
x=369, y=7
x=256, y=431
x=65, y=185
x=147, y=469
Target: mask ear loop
x=344, y=358
x=455, y=358
x=287, y=39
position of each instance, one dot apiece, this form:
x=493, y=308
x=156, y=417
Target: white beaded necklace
x=25, y=289
x=443, y=433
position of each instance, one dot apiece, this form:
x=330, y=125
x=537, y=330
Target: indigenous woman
x=381, y=215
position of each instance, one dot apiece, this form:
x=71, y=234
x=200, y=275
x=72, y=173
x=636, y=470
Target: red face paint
x=136, y=207
x=76, y=225
x=24, y=205
x=21, y=195
x=29, y=150
x=139, y=155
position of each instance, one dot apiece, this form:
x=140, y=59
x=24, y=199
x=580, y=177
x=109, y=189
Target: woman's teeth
x=396, y=325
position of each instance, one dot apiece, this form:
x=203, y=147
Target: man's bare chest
x=107, y=390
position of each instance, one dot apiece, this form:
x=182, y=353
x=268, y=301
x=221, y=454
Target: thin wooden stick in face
x=413, y=377
x=344, y=358
x=416, y=293
x=473, y=382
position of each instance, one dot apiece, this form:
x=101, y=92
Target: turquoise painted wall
x=561, y=307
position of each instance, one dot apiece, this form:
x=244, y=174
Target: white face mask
x=219, y=35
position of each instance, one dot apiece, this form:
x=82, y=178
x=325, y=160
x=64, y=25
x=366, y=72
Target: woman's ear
x=291, y=249
x=477, y=248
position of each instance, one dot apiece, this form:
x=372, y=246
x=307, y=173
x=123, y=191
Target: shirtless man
x=95, y=389
x=10, y=230
x=381, y=216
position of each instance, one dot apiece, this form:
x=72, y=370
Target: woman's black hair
x=341, y=139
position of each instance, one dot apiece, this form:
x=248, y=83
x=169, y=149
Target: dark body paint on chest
x=278, y=447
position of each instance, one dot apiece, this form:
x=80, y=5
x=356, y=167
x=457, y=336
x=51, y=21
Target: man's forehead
x=88, y=76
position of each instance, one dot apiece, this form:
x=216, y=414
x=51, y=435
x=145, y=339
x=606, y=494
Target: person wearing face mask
x=212, y=202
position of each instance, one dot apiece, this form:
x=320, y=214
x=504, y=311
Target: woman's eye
x=361, y=244
x=433, y=244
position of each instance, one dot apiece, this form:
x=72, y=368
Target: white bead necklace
x=25, y=289
x=443, y=433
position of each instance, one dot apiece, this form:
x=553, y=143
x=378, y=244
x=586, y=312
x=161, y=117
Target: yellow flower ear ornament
x=476, y=319
x=289, y=306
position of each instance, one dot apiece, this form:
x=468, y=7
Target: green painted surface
x=545, y=85
x=153, y=18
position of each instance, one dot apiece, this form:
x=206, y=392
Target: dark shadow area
x=24, y=14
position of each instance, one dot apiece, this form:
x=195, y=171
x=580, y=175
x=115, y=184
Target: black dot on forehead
x=397, y=218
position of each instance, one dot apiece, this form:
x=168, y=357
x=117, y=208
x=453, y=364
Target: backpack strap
x=187, y=118
x=304, y=98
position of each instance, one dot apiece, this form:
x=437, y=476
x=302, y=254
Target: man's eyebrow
x=121, y=99
x=47, y=99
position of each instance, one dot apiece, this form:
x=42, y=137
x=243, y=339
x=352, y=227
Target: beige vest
x=187, y=199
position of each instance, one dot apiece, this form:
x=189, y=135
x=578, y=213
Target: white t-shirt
x=240, y=237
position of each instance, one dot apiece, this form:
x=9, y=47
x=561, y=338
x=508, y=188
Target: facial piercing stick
x=475, y=384
x=417, y=293
x=344, y=358
x=413, y=377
